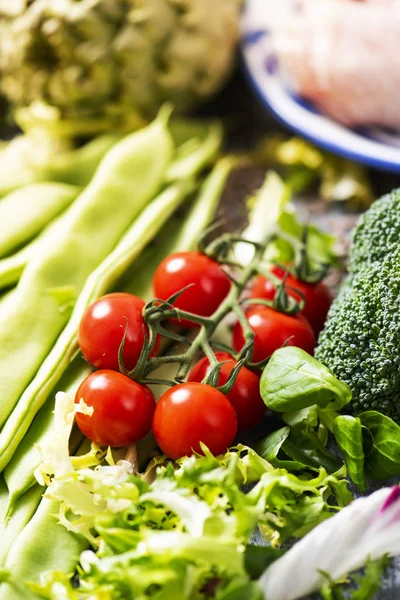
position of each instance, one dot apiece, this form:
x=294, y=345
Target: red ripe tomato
x=316, y=295
x=245, y=393
x=103, y=326
x=210, y=284
x=272, y=330
x=190, y=413
x=123, y=409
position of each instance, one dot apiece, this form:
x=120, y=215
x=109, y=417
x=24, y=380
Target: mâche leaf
x=349, y=437
x=382, y=445
x=293, y=380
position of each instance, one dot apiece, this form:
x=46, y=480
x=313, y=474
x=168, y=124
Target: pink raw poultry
x=343, y=55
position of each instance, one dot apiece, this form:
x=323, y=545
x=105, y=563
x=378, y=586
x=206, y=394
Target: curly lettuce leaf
x=182, y=527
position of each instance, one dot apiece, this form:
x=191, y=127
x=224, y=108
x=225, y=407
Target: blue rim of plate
x=262, y=72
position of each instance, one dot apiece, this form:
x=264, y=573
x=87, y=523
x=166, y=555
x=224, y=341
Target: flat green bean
x=23, y=512
x=30, y=158
x=12, y=267
x=3, y=499
x=42, y=545
x=6, y=298
x=126, y=180
x=77, y=167
x=15, y=168
x=19, y=473
x=98, y=283
x=197, y=145
x=25, y=212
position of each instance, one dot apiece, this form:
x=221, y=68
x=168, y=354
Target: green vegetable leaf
x=54, y=584
x=381, y=445
x=293, y=380
x=368, y=584
x=349, y=437
x=258, y=558
x=304, y=441
x=187, y=530
x=265, y=210
x=270, y=447
x=320, y=245
x=306, y=449
x=240, y=590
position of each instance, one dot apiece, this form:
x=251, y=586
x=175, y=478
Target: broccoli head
x=377, y=232
x=361, y=339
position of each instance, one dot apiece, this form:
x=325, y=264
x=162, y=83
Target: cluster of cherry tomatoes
x=193, y=412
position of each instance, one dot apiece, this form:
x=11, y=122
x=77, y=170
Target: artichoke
x=100, y=62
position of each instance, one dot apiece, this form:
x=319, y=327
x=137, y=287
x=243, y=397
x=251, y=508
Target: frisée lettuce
x=180, y=530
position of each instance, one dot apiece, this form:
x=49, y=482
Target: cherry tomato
x=272, y=330
x=103, y=326
x=123, y=409
x=316, y=295
x=210, y=284
x=190, y=413
x=245, y=393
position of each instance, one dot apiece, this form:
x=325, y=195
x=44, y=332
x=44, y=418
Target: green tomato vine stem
x=158, y=310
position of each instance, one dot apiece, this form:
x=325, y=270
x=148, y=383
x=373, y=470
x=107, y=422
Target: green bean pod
x=19, y=473
x=22, y=561
x=126, y=180
x=197, y=145
x=25, y=212
x=98, y=283
x=42, y=545
x=24, y=510
x=77, y=167
x=12, y=267
x=180, y=234
x=3, y=499
x=30, y=158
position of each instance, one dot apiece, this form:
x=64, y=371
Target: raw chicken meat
x=344, y=56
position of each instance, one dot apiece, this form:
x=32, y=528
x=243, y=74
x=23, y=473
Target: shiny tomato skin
x=123, y=409
x=245, y=394
x=103, y=326
x=317, y=296
x=273, y=330
x=210, y=284
x=190, y=413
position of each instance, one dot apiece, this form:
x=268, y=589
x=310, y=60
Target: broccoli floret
x=377, y=232
x=361, y=339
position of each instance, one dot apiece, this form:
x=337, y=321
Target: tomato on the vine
x=272, y=330
x=245, y=394
x=210, y=285
x=122, y=409
x=103, y=327
x=317, y=296
x=190, y=413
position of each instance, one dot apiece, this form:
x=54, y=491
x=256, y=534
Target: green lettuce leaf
x=180, y=528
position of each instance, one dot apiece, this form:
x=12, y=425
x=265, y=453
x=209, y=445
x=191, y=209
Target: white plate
x=375, y=147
